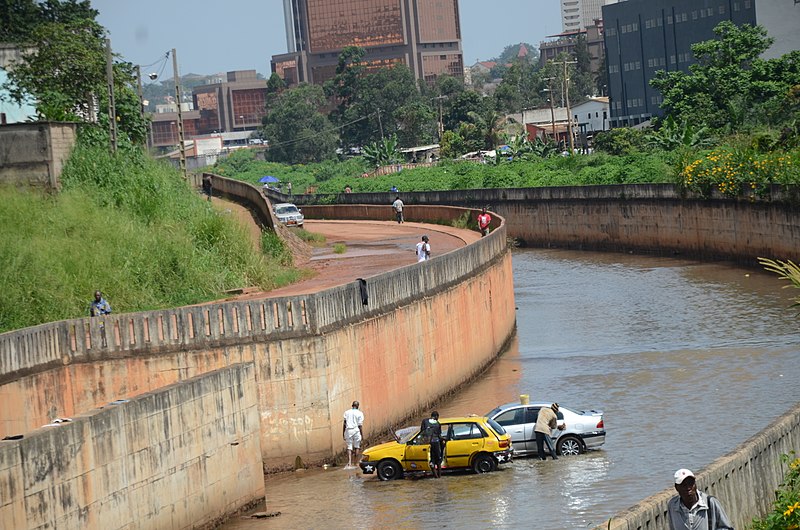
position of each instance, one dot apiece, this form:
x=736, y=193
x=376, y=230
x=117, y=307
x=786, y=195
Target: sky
x=217, y=36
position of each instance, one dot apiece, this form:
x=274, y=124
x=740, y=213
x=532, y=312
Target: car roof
x=532, y=404
x=462, y=418
x=285, y=204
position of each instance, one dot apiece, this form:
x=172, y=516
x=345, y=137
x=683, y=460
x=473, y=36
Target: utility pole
x=112, y=111
x=569, y=112
x=141, y=102
x=182, y=146
x=441, y=118
x=552, y=110
x=380, y=124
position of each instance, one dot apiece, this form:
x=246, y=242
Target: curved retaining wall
x=744, y=480
x=645, y=217
x=413, y=341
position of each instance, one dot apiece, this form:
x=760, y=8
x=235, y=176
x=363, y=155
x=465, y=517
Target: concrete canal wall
x=744, y=480
x=396, y=342
x=655, y=218
x=184, y=456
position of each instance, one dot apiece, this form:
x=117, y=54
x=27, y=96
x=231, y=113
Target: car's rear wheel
x=484, y=464
x=569, y=446
x=389, y=470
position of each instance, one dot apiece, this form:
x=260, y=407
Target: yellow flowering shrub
x=786, y=513
x=740, y=173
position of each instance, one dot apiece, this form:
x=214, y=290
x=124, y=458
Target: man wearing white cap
x=694, y=510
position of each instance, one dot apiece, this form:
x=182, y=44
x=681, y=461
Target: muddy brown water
x=686, y=359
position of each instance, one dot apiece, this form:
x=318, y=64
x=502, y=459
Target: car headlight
x=365, y=458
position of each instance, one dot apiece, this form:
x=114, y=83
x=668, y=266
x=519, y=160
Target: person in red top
x=483, y=222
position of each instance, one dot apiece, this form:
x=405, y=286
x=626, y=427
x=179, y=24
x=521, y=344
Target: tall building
x=577, y=15
x=425, y=35
x=645, y=36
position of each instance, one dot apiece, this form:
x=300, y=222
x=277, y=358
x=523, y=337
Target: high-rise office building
x=577, y=15
x=645, y=36
x=425, y=35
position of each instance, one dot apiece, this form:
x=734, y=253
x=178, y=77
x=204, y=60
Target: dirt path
x=371, y=247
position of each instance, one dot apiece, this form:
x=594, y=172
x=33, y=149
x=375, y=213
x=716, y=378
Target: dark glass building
x=645, y=36
x=425, y=35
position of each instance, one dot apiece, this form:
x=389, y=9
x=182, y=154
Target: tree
x=730, y=86
x=64, y=70
x=383, y=153
x=297, y=130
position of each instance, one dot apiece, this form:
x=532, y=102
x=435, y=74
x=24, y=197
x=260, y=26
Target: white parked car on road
x=289, y=214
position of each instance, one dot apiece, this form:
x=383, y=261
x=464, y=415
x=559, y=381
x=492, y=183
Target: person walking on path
x=353, y=432
x=483, y=222
x=694, y=510
x=289, y=188
x=99, y=306
x=546, y=421
x=423, y=250
x=432, y=431
x=397, y=205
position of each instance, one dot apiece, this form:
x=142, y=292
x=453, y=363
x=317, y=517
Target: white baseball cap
x=682, y=474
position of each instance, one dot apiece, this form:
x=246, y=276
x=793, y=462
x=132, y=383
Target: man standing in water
x=546, y=421
x=691, y=509
x=352, y=432
x=432, y=431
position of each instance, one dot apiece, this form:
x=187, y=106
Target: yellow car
x=472, y=442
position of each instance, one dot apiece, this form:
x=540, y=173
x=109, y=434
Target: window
x=721, y=10
x=694, y=15
x=464, y=431
x=588, y=117
x=511, y=417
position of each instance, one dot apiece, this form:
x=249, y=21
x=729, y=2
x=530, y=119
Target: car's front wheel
x=389, y=470
x=484, y=464
x=569, y=446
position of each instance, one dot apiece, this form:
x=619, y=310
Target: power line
x=314, y=135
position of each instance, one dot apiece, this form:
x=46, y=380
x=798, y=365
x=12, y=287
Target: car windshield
x=404, y=435
x=497, y=427
x=283, y=210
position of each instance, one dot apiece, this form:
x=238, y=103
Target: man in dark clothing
x=432, y=432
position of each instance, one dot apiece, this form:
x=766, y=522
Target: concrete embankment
x=655, y=218
x=745, y=480
x=395, y=341
x=184, y=456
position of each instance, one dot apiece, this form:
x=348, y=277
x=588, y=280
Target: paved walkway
x=372, y=247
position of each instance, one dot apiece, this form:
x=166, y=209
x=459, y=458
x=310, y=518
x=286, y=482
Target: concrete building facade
x=645, y=36
x=236, y=104
x=577, y=15
x=425, y=35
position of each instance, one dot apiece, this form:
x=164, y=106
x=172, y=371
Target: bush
x=786, y=514
x=126, y=225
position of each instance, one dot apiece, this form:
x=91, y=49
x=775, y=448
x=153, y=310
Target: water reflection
x=687, y=360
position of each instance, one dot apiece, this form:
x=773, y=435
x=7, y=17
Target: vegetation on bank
x=786, y=512
x=129, y=226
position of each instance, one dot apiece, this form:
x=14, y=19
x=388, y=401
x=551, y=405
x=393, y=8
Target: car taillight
x=600, y=424
x=503, y=444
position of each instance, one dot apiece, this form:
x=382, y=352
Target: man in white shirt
x=423, y=250
x=694, y=510
x=352, y=432
x=397, y=205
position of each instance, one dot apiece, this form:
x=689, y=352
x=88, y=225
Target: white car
x=584, y=429
x=289, y=214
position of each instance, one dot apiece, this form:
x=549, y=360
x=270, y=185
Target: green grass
x=312, y=238
x=339, y=248
x=130, y=227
